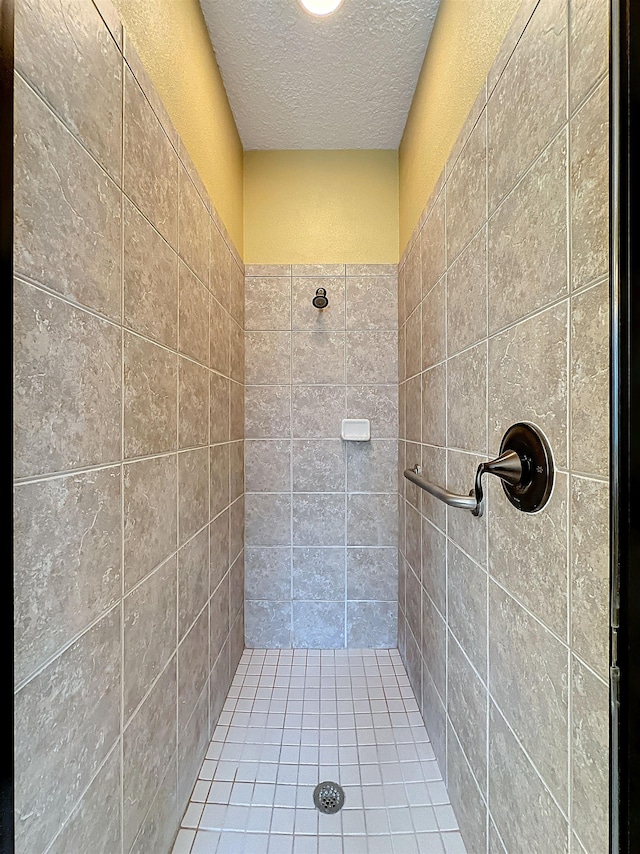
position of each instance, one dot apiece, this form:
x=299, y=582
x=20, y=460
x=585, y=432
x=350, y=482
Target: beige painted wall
x=172, y=40
x=465, y=40
x=309, y=207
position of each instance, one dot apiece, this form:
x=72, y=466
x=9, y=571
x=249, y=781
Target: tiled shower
x=219, y=601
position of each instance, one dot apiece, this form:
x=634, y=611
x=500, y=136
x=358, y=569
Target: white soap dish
x=356, y=429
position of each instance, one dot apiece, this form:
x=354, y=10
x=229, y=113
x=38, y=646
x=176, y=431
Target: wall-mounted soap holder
x=356, y=430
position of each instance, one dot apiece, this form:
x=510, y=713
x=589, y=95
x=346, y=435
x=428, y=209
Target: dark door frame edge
x=625, y=429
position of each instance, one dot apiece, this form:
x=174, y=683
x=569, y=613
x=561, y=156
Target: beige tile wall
x=321, y=535
x=503, y=317
x=129, y=366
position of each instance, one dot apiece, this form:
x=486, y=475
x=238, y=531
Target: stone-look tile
x=236, y=587
x=268, y=520
x=372, y=302
x=218, y=479
x=318, y=625
x=218, y=549
x=150, y=490
x=268, y=465
x=268, y=358
x=589, y=437
x=236, y=352
x=377, y=403
x=528, y=379
x=317, y=357
x=150, y=398
x=372, y=520
x=267, y=412
x=495, y=845
x=402, y=580
x=590, y=758
x=466, y=317
x=371, y=270
x=539, y=542
x=139, y=71
x=590, y=572
x=220, y=262
x=219, y=682
x=267, y=303
x=236, y=470
x=193, y=227
x=466, y=400
x=372, y=574
x=432, y=245
x=317, y=411
x=402, y=409
x=511, y=39
x=372, y=358
x=262, y=270
x=467, y=531
x=303, y=314
x=414, y=540
x=85, y=93
x=434, y=326
x=314, y=270
x=66, y=208
x=149, y=742
x=529, y=104
x=520, y=805
x=268, y=573
x=413, y=343
x=147, y=154
x=150, y=621
x=468, y=607
x=413, y=278
x=219, y=618
x=473, y=116
x=527, y=244
x=236, y=411
x=219, y=414
x=318, y=519
x=371, y=466
x=268, y=624
x=414, y=663
x=192, y=746
x=318, y=573
x=434, y=468
x=150, y=280
x=467, y=707
x=466, y=798
x=413, y=405
x=435, y=719
x=467, y=192
x=193, y=404
x=192, y=172
x=372, y=625
x=414, y=603
x=236, y=291
x=193, y=580
x=434, y=644
x=236, y=643
x=589, y=188
x=434, y=564
x=588, y=46
x=96, y=819
x=158, y=827
x=219, y=337
x=193, y=492
x=402, y=353
x=318, y=465
x=66, y=721
x=62, y=584
x=193, y=668
x=236, y=528
x=193, y=316
x=433, y=407
x=527, y=662
x=66, y=385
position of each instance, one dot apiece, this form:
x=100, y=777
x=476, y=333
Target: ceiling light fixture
x=321, y=8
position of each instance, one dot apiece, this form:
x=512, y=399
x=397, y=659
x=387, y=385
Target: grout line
x=122, y=469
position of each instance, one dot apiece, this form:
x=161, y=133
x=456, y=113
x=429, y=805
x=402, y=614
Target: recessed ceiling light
x=321, y=8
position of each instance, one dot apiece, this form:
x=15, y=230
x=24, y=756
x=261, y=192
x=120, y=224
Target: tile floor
x=294, y=718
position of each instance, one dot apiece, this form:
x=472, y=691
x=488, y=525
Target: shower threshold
x=296, y=718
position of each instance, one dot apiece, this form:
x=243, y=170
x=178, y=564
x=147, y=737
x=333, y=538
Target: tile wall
x=503, y=309
x=321, y=527
x=128, y=445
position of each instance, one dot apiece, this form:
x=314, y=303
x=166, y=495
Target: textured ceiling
x=295, y=81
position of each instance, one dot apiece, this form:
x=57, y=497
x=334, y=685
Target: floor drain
x=328, y=797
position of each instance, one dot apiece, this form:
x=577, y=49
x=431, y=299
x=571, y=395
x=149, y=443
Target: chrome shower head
x=321, y=300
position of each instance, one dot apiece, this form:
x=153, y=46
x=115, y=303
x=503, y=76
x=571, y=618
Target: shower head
x=321, y=299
